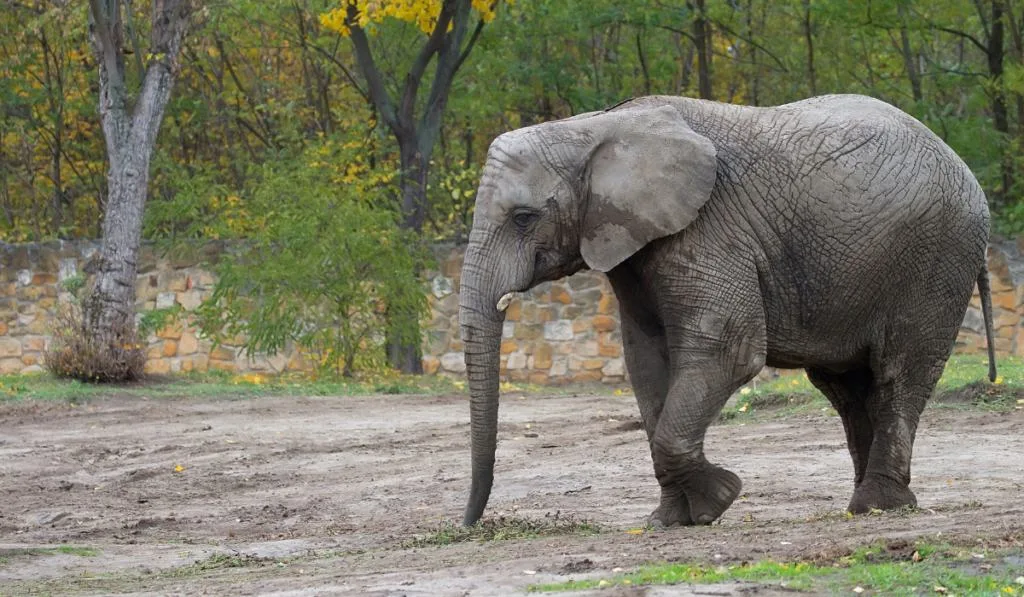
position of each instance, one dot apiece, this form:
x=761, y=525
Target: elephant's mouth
x=551, y=265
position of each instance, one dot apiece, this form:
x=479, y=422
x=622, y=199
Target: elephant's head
x=554, y=198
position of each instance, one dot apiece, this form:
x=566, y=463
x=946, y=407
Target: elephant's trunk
x=481, y=324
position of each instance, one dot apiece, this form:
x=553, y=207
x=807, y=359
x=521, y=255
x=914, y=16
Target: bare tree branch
x=470, y=44
x=932, y=25
x=364, y=57
x=447, y=66
x=730, y=32
x=437, y=40
x=136, y=49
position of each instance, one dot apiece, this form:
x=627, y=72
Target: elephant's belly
x=837, y=351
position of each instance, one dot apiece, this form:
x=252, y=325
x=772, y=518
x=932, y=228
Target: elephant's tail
x=986, y=310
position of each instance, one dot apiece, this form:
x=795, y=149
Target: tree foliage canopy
x=423, y=13
x=263, y=82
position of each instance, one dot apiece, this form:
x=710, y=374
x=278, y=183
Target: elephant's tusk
x=505, y=300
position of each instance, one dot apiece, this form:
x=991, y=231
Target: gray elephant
x=835, y=234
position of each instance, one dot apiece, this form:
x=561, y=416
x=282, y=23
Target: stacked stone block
x=1006, y=278
x=29, y=296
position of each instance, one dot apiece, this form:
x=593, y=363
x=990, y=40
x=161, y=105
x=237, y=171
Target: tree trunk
x=407, y=356
x=909, y=59
x=1017, y=40
x=130, y=136
x=681, y=78
x=643, y=63
x=755, y=67
x=413, y=183
x=702, y=41
x=1000, y=116
x=54, y=77
x=113, y=305
x=809, y=39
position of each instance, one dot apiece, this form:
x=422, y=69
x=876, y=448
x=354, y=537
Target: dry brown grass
x=76, y=352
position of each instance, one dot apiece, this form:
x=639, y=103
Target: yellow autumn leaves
x=423, y=13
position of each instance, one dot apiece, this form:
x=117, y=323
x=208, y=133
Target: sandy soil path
x=313, y=496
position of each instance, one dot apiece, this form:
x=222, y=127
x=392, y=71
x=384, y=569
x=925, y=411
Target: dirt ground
x=314, y=496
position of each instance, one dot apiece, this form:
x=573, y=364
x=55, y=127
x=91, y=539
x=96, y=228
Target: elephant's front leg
x=700, y=386
x=646, y=355
x=645, y=350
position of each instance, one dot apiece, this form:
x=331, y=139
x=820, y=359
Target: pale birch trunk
x=130, y=133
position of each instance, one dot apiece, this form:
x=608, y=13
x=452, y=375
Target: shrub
x=76, y=353
x=326, y=269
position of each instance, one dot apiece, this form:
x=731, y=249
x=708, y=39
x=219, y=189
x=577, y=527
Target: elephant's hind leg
x=848, y=392
x=894, y=406
x=906, y=360
x=886, y=480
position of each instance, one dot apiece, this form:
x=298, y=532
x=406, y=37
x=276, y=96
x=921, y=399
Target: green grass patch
x=898, y=568
x=980, y=395
x=780, y=404
x=791, y=393
x=962, y=370
x=929, y=576
x=503, y=529
x=71, y=550
x=964, y=384
x=218, y=384
x=796, y=576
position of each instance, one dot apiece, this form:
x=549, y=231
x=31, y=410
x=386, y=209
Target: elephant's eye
x=524, y=219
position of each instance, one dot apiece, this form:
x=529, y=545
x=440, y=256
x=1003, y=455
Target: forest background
x=292, y=118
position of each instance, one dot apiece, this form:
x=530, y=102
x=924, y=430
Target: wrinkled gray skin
x=835, y=234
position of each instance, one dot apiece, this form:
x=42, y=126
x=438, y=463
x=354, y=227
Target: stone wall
x=1006, y=277
x=558, y=332
x=31, y=277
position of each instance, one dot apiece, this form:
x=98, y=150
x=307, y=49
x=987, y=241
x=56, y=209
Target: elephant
x=836, y=234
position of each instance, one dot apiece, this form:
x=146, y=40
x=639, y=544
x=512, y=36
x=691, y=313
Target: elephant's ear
x=648, y=176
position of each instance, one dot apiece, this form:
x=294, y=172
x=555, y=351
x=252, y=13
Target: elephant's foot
x=673, y=510
x=699, y=497
x=881, y=493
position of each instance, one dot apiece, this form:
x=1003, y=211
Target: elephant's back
x=876, y=154
x=854, y=147
x=853, y=214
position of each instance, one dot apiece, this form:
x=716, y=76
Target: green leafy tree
x=323, y=267
x=446, y=32
x=51, y=148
